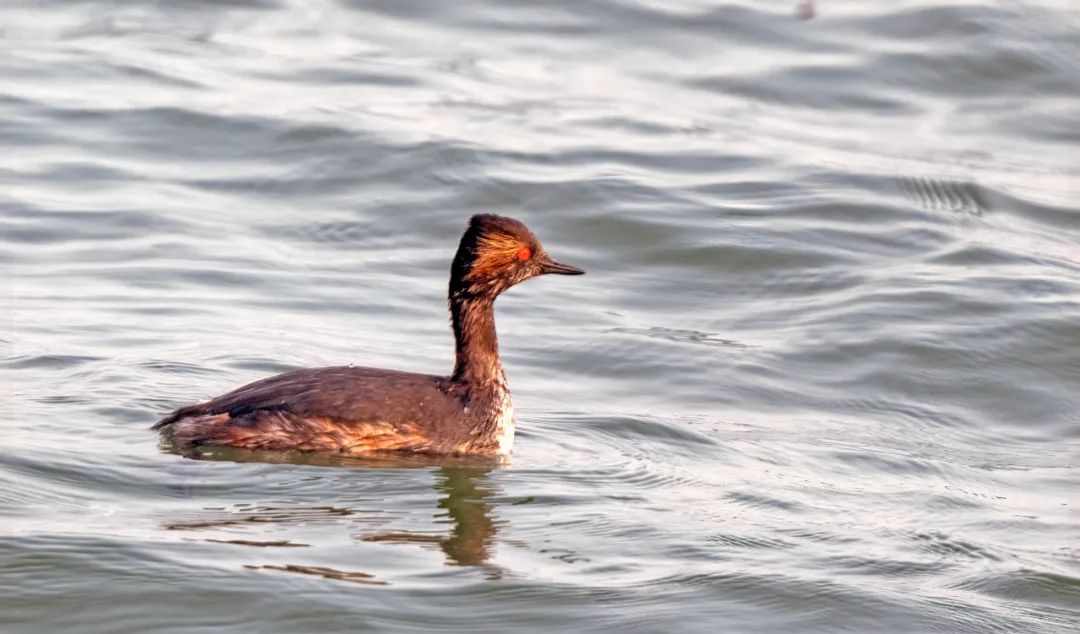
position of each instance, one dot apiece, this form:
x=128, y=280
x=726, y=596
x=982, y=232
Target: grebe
x=363, y=411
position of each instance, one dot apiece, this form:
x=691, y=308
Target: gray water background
x=823, y=373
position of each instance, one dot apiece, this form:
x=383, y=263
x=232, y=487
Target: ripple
x=351, y=233
x=681, y=336
x=52, y=361
x=748, y=541
x=616, y=430
x=941, y=544
x=942, y=195
x=37, y=226
x=793, y=86
x=744, y=498
x=1044, y=588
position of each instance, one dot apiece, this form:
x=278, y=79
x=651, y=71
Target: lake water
x=823, y=373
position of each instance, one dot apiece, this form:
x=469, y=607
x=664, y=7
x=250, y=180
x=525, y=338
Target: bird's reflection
x=462, y=486
x=470, y=540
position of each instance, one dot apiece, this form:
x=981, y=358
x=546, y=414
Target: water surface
x=823, y=374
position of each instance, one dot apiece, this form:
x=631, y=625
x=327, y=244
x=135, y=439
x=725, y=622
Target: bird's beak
x=551, y=266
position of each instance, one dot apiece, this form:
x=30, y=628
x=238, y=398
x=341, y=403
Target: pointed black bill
x=551, y=266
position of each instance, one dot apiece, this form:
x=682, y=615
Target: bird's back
x=344, y=409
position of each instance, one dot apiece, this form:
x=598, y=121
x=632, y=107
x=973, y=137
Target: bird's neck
x=476, y=344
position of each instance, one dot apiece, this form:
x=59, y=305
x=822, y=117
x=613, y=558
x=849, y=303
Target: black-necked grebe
x=366, y=410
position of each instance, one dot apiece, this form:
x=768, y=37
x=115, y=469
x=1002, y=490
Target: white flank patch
x=504, y=425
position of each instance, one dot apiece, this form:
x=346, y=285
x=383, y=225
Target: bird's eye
x=524, y=253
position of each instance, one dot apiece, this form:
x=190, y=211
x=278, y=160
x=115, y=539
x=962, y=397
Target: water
x=823, y=374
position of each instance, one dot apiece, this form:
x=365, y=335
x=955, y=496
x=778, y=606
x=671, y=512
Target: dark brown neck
x=476, y=344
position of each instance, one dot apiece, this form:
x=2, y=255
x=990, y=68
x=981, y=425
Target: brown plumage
x=363, y=411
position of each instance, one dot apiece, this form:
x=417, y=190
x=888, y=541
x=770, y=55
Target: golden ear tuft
x=497, y=241
x=495, y=251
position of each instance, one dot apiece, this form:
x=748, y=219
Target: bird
x=361, y=411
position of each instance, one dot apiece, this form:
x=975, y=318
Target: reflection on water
x=462, y=490
x=240, y=518
x=325, y=572
x=316, y=459
x=280, y=543
x=470, y=540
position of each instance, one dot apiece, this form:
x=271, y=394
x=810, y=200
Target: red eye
x=524, y=253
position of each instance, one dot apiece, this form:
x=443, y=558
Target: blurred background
x=823, y=373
